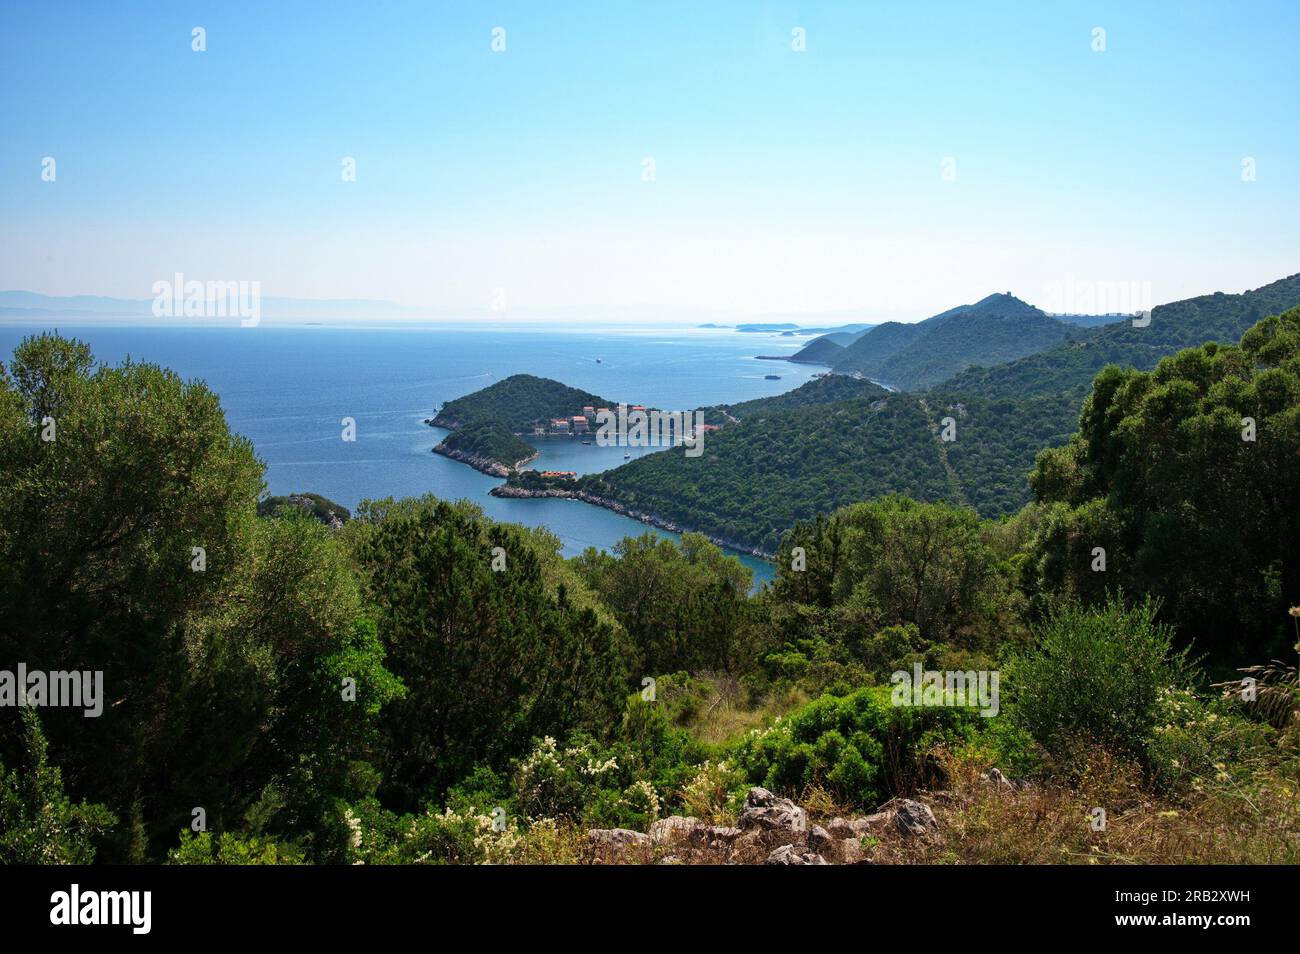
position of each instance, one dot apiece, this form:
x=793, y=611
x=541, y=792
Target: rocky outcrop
x=492, y=468
x=676, y=828
x=618, y=846
x=820, y=841
x=790, y=855
x=913, y=817
x=767, y=812
x=851, y=852
x=720, y=836
x=770, y=830
x=617, y=838
x=842, y=828
x=998, y=780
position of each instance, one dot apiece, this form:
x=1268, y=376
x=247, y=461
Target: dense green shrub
x=1096, y=676
x=860, y=746
x=205, y=848
x=39, y=824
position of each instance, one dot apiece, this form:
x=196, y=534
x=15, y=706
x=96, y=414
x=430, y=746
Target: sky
x=678, y=160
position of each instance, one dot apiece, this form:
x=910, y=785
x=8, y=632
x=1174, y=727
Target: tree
x=684, y=606
x=1187, y=478
x=129, y=545
x=1095, y=677
x=490, y=657
x=39, y=824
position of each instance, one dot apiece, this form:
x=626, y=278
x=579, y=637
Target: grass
x=1052, y=823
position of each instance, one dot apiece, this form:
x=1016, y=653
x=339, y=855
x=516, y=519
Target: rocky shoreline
x=649, y=518
x=493, y=468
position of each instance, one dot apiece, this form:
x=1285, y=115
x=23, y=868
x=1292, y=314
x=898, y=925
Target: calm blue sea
x=287, y=389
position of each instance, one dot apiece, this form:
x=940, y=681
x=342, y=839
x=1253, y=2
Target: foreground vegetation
x=422, y=685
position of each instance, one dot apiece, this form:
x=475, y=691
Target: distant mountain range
x=26, y=304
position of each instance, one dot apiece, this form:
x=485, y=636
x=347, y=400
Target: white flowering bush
x=555, y=782
x=640, y=800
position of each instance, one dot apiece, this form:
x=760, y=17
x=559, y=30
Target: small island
x=489, y=426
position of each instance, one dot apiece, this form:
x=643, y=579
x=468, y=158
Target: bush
x=229, y=848
x=859, y=747
x=1199, y=742
x=715, y=793
x=1095, y=678
x=39, y=824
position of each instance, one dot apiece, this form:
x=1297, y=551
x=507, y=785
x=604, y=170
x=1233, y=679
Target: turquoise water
x=287, y=389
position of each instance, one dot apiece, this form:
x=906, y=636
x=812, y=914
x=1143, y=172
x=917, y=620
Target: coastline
x=492, y=468
x=520, y=493
x=495, y=468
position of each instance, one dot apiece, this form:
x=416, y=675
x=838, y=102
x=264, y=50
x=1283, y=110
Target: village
x=629, y=426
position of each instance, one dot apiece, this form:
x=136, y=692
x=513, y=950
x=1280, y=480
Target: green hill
x=489, y=440
x=996, y=329
x=486, y=424
x=846, y=338
x=1069, y=367
x=820, y=351
x=519, y=402
x=828, y=389
x=756, y=478
x=868, y=353
x=318, y=507
x=1090, y=321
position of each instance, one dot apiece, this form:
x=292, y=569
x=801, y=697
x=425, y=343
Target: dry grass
x=729, y=714
x=1053, y=823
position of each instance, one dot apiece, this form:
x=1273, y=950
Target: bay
x=288, y=389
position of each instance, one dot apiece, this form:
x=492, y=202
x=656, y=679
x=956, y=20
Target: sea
x=288, y=388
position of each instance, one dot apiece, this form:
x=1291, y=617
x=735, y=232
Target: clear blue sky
x=785, y=182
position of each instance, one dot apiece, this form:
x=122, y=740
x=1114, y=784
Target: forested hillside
x=822, y=351
x=996, y=329
x=868, y=353
x=487, y=440
x=1069, y=368
x=755, y=479
x=827, y=389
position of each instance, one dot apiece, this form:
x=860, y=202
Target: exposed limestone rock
x=675, y=828
x=851, y=853
x=856, y=827
x=767, y=812
x=996, y=778
x=617, y=838
x=820, y=841
x=790, y=855
x=913, y=817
